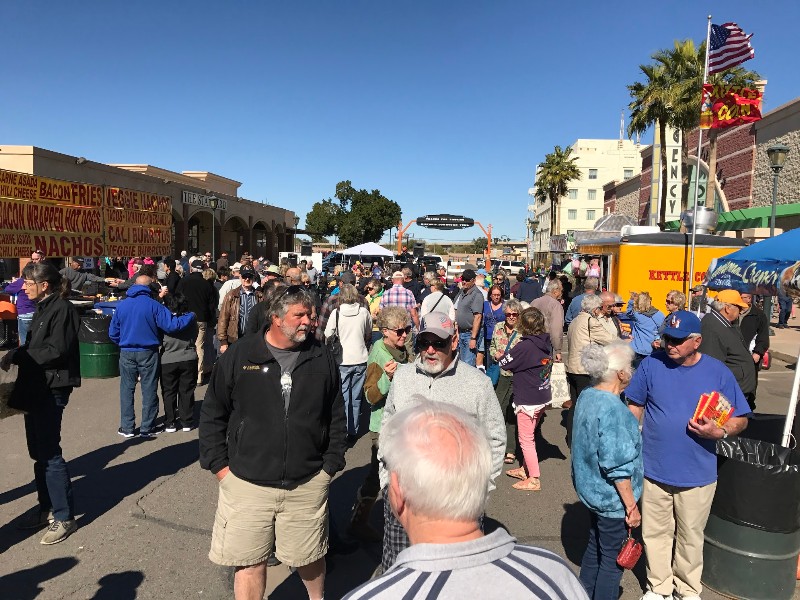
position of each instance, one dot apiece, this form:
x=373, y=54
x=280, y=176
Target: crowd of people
x=457, y=377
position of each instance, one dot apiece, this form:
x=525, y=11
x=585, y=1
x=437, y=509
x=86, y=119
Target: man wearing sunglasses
x=272, y=430
x=680, y=461
x=236, y=308
x=438, y=374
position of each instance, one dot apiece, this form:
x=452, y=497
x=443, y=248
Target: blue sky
x=446, y=107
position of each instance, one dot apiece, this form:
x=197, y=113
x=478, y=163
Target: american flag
x=730, y=46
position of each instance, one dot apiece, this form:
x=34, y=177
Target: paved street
x=146, y=510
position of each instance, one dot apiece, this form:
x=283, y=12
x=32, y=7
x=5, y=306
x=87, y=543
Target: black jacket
x=172, y=281
x=724, y=342
x=201, y=296
x=50, y=359
x=754, y=326
x=243, y=423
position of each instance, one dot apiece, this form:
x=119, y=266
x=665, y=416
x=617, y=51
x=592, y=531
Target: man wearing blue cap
x=680, y=463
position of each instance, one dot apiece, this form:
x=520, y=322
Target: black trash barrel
x=752, y=539
x=99, y=355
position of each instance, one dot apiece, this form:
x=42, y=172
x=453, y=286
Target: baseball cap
x=198, y=264
x=481, y=272
x=77, y=259
x=236, y=266
x=681, y=324
x=439, y=324
x=273, y=270
x=398, y=275
x=697, y=288
x=247, y=272
x=468, y=275
x=731, y=297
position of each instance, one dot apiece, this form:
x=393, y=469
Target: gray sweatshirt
x=179, y=347
x=459, y=384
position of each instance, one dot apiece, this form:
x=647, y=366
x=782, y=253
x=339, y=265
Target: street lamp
x=777, y=158
x=213, y=203
x=294, y=238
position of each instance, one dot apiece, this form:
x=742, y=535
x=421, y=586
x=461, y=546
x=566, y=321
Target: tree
x=359, y=216
x=552, y=181
x=672, y=95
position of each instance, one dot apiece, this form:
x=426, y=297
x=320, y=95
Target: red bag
x=630, y=552
x=766, y=361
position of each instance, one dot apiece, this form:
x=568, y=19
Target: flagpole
x=697, y=174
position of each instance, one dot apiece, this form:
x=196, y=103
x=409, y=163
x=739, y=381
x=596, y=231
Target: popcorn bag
x=713, y=407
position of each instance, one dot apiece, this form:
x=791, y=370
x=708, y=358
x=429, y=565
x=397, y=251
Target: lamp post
x=777, y=158
x=213, y=202
x=533, y=225
x=294, y=240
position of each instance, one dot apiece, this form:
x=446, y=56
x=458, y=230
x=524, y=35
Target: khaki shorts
x=250, y=516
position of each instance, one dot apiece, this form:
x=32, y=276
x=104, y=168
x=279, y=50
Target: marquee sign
x=445, y=222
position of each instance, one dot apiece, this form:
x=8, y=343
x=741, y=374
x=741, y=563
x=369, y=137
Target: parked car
x=512, y=267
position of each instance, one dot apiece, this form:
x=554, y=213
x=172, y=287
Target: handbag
x=766, y=361
x=493, y=372
x=630, y=552
x=334, y=343
x=559, y=388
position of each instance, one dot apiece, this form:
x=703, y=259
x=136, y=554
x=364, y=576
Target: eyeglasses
x=289, y=291
x=672, y=341
x=403, y=331
x=438, y=344
x=512, y=315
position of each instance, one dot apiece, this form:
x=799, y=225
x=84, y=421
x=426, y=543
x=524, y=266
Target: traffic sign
x=445, y=222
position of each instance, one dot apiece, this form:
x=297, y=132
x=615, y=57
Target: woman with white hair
x=607, y=469
x=585, y=329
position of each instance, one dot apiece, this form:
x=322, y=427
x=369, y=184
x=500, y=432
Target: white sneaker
x=648, y=595
x=170, y=429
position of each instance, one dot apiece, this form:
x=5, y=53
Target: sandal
x=517, y=473
x=532, y=484
x=509, y=459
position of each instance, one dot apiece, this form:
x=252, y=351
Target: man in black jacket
x=272, y=429
x=202, y=298
x=754, y=326
x=723, y=340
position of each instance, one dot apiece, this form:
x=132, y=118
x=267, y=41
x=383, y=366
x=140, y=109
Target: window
x=628, y=173
x=592, y=173
x=592, y=194
x=590, y=215
x=572, y=214
x=572, y=194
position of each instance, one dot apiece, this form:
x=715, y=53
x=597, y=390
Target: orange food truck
x=655, y=262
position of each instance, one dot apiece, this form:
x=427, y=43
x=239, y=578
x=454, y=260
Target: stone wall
x=781, y=126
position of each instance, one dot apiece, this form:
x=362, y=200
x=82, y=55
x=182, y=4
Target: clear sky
x=445, y=106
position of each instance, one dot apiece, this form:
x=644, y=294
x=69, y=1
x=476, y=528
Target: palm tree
x=672, y=95
x=552, y=181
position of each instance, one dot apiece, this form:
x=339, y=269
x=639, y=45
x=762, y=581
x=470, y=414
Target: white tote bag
x=559, y=388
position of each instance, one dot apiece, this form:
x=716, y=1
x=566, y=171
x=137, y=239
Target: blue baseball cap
x=681, y=324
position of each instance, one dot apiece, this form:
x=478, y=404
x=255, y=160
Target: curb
x=782, y=356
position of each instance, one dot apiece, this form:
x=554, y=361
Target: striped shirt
x=493, y=567
x=247, y=302
x=397, y=295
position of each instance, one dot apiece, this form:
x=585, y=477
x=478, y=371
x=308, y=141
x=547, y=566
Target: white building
x=600, y=161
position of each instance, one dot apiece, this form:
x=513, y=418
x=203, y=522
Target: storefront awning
x=747, y=218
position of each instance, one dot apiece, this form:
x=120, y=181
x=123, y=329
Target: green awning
x=758, y=216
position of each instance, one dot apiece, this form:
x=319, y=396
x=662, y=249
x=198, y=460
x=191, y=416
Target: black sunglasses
x=438, y=344
x=289, y=291
x=401, y=331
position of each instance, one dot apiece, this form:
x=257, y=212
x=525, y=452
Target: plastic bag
x=94, y=329
x=758, y=485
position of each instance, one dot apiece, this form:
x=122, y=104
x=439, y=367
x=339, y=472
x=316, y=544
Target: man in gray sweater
x=438, y=375
x=439, y=461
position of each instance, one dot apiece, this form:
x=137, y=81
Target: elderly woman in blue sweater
x=606, y=465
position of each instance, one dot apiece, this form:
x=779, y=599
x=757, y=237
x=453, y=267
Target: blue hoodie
x=139, y=321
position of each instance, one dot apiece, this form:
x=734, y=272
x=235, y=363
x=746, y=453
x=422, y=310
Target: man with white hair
x=439, y=461
x=554, y=314
x=589, y=288
x=438, y=374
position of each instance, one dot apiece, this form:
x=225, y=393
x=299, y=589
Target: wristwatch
x=724, y=432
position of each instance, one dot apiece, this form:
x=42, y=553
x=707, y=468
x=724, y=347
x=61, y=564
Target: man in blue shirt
x=590, y=287
x=680, y=463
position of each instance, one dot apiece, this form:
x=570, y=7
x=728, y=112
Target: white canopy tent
x=368, y=249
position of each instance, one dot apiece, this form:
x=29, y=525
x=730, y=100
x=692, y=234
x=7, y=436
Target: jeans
x=178, y=382
x=600, y=575
x=464, y=353
x=132, y=365
x=50, y=471
x=785, y=304
x=353, y=377
x=23, y=325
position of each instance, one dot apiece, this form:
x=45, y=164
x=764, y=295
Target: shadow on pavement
x=24, y=585
x=575, y=531
x=119, y=586
x=545, y=449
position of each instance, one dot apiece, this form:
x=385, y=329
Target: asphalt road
x=146, y=510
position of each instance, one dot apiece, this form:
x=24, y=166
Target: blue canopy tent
x=768, y=267
x=760, y=268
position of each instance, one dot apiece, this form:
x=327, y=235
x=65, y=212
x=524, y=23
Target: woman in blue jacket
x=645, y=323
x=607, y=469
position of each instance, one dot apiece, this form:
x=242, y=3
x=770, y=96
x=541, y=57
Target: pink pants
x=526, y=426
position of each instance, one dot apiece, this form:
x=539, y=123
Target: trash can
x=8, y=324
x=752, y=539
x=99, y=355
